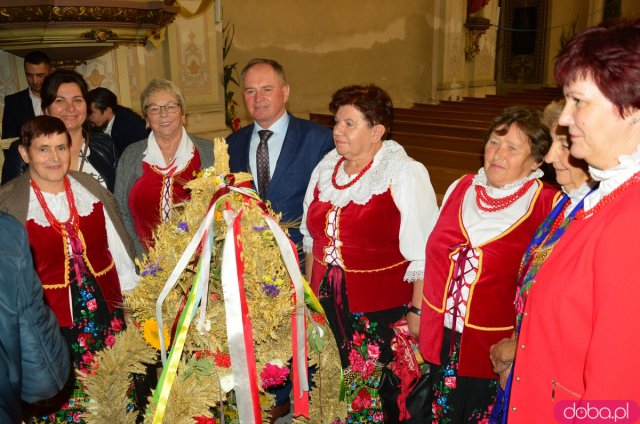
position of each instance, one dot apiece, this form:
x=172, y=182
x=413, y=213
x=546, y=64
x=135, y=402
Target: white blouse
x=84, y=204
x=612, y=178
x=411, y=191
x=576, y=195
x=482, y=226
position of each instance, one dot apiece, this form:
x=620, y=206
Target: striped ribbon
x=169, y=371
x=239, y=332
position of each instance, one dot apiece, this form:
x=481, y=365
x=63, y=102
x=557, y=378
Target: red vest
x=490, y=314
x=369, y=249
x=145, y=196
x=51, y=259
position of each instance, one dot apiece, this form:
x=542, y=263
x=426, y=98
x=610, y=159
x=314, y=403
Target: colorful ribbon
x=239, y=331
x=169, y=371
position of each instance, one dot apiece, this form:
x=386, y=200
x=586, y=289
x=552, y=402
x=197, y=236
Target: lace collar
x=612, y=178
x=481, y=179
x=58, y=204
x=153, y=154
x=387, y=163
x=577, y=194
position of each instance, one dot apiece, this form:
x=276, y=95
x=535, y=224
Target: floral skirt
x=459, y=399
x=364, y=343
x=94, y=328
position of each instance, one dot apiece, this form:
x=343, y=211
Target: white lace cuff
x=414, y=272
x=307, y=244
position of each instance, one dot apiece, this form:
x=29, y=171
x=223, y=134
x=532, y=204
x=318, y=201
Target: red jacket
x=580, y=331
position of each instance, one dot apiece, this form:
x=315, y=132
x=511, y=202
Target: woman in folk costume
x=152, y=173
x=81, y=251
x=572, y=175
x=578, y=338
x=369, y=209
x=485, y=224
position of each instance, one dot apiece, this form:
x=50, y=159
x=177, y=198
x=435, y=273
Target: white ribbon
x=235, y=331
x=177, y=272
x=291, y=262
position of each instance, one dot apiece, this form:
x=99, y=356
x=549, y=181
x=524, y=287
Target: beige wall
x=584, y=13
x=324, y=45
x=412, y=48
x=631, y=8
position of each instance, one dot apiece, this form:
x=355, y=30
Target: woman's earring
x=634, y=121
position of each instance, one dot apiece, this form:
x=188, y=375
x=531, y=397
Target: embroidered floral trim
x=388, y=163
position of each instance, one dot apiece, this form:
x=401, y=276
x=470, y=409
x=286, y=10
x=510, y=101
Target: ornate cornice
x=49, y=13
x=70, y=31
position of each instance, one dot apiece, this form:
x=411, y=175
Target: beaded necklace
x=496, y=204
x=610, y=197
x=70, y=226
x=352, y=182
x=558, y=221
x=69, y=230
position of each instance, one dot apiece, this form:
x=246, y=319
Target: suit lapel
x=289, y=147
x=27, y=105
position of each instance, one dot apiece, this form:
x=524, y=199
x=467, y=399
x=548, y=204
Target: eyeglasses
x=169, y=108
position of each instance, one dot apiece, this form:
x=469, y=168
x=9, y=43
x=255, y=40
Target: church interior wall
x=412, y=48
x=389, y=43
x=188, y=53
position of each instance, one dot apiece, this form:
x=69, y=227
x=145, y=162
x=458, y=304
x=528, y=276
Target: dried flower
x=150, y=331
x=227, y=383
x=222, y=359
x=270, y=290
x=151, y=269
x=273, y=375
x=205, y=420
x=319, y=318
x=182, y=227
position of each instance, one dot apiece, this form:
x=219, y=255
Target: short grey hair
x=156, y=85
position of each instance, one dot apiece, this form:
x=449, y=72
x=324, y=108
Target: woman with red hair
x=578, y=338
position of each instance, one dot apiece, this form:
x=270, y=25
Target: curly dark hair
x=529, y=121
x=372, y=101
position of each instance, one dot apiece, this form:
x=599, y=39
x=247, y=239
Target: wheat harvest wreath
x=222, y=302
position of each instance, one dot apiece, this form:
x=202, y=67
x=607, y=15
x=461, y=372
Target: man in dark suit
x=25, y=104
x=123, y=125
x=294, y=148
